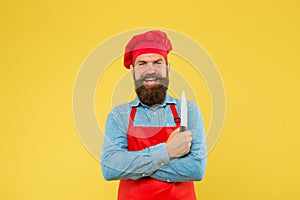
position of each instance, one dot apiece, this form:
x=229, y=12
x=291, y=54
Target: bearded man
x=143, y=147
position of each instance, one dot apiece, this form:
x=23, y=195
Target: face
x=147, y=64
x=150, y=73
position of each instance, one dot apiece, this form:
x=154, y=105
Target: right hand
x=179, y=143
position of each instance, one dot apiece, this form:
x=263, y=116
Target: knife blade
x=183, y=117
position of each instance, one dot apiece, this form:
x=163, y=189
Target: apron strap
x=173, y=109
x=175, y=114
x=132, y=115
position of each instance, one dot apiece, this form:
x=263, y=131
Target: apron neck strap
x=173, y=109
x=175, y=114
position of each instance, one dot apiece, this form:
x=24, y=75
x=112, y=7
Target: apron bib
x=141, y=137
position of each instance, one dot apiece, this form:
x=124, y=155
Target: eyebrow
x=143, y=61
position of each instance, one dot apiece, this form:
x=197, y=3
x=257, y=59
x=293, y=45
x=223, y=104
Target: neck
x=153, y=107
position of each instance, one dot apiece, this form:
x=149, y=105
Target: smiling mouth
x=150, y=81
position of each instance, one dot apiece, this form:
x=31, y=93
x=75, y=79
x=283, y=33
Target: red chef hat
x=154, y=41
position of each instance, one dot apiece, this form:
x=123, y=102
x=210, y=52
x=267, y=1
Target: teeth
x=150, y=79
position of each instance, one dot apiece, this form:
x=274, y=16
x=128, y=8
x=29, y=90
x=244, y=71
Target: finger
x=171, y=137
x=187, y=133
x=174, y=133
x=187, y=150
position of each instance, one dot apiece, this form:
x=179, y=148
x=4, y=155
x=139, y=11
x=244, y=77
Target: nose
x=150, y=68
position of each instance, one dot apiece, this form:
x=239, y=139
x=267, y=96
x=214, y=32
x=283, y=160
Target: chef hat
x=153, y=41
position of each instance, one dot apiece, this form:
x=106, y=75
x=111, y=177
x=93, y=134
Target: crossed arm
x=119, y=163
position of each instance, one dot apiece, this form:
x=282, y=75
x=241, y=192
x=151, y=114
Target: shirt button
x=162, y=164
x=143, y=174
x=154, y=113
x=168, y=180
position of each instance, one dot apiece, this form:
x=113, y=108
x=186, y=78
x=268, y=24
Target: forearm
x=188, y=168
x=122, y=164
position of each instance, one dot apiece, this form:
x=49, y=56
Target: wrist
x=169, y=151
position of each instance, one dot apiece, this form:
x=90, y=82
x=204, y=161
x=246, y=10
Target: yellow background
x=255, y=45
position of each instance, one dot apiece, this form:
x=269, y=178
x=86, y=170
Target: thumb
x=173, y=134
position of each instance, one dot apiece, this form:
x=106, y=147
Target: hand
x=179, y=143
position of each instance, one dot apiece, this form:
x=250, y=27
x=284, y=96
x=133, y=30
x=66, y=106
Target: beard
x=155, y=94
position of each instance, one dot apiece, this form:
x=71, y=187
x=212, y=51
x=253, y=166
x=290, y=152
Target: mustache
x=153, y=75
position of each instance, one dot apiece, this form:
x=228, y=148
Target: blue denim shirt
x=119, y=163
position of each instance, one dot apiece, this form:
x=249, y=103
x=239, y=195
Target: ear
x=131, y=69
x=169, y=66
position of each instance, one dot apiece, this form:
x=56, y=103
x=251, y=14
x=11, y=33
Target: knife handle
x=182, y=128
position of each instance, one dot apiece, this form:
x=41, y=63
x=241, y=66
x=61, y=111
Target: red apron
x=141, y=137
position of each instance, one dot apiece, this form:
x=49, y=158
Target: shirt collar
x=168, y=100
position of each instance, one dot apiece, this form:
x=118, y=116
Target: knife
x=183, y=117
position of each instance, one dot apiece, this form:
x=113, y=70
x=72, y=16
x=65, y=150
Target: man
x=143, y=147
